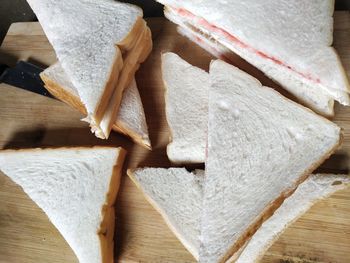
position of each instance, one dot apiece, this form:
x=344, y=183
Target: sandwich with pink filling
x=289, y=41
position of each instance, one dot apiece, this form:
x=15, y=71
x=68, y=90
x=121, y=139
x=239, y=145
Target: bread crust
x=132, y=61
x=58, y=92
x=107, y=226
x=120, y=127
x=165, y=95
x=130, y=40
x=269, y=210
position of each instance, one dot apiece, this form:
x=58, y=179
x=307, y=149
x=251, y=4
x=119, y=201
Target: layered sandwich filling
x=204, y=27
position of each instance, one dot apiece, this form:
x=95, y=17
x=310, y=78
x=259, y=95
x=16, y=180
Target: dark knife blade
x=25, y=76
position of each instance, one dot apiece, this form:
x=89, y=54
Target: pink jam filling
x=186, y=14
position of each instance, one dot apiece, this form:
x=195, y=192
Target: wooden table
x=30, y=120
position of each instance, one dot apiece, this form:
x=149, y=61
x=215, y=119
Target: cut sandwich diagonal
x=260, y=147
x=186, y=196
x=76, y=188
x=285, y=44
x=90, y=40
x=130, y=120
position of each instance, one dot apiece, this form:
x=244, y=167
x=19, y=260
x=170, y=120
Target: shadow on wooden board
x=11, y=60
x=69, y=137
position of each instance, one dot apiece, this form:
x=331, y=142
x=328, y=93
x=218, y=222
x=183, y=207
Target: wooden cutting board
x=30, y=120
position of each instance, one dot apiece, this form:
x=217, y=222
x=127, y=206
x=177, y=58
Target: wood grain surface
x=31, y=120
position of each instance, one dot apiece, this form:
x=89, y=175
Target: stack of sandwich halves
x=99, y=47
x=259, y=148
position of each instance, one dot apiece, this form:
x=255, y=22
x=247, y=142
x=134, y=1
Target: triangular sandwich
x=76, y=188
x=290, y=41
x=260, y=147
x=100, y=45
x=130, y=120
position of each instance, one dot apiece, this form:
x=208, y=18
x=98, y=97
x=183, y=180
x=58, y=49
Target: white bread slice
x=76, y=188
x=308, y=95
x=130, y=120
x=176, y=194
x=186, y=100
x=295, y=36
x=316, y=187
x=90, y=39
x=260, y=147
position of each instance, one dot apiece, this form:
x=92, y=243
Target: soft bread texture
x=76, y=188
x=176, y=194
x=287, y=38
x=308, y=95
x=90, y=39
x=130, y=120
x=186, y=100
x=316, y=187
x=260, y=147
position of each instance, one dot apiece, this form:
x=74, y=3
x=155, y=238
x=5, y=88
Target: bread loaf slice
x=76, y=188
x=130, y=120
x=99, y=45
x=308, y=95
x=177, y=195
x=260, y=147
x=286, y=45
x=186, y=107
